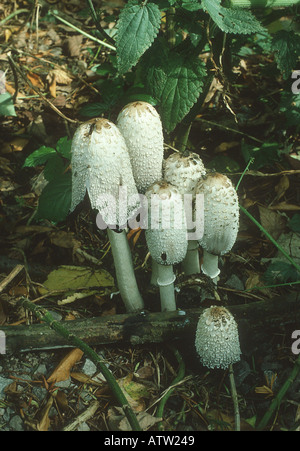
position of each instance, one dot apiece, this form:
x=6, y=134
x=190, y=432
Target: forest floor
x=51, y=76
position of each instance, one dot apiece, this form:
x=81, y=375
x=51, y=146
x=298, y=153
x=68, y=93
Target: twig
x=44, y=315
x=97, y=23
x=229, y=129
x=83, y=417
x=87, y=35
x=37, y=91
x=10, y=277
x=237, y=420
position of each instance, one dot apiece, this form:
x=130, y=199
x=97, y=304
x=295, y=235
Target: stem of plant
x=237, y=420
x=262, y=3
x=178, y=378
x=43, y=315
x=277, y=400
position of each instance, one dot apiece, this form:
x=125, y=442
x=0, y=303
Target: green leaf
x=55, y=200
x=231, y=20
x=39, y=157
x=138, y=25
x=176, y=80
x=63, y=147
x=294, y=223
x=264, y=155
x=281, y=272
x=7, y=105
x=290, y=106
x=54, y=167
x=286, y=48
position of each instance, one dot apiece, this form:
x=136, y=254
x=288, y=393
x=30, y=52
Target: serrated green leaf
x=7, y=105
x=231, y=20
x=138, y=25
x=286, y=48
x=55, y=200
x=294, y=223
x=263, y=155
x=281, y=272
x=176, y=81
x=54, y=167
x=290, y=106
x=39, y=157
x=63, y=147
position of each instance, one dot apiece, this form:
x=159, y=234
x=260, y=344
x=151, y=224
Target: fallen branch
x=158, y=327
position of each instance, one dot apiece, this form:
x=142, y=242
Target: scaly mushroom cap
x=184, y=171
x=221, y=213
x=166, y=234
x=141, y=127
x=217, y=339
x=101, y=165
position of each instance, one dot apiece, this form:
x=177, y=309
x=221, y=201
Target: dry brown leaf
x=44, y=423
x=74, y=45
x=84, y=379
x=272, y=221
x=285, y=207
x=282, y=187
x=65, y=240
x=35, y=80
x=62, y=371
x=225, y=146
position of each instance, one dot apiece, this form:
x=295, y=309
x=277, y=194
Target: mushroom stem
x=124, y=271
x=210, y=265
x=154, y=273
x=190, y=264
x=165, y=281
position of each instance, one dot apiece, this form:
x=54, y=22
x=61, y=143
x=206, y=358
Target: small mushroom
x=141, y=127
x=217, y=339
x=221, y=220
x=101, y=166
x=184, y=170
x=166, y=237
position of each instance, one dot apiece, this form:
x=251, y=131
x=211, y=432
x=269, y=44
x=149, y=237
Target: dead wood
x=253, y=319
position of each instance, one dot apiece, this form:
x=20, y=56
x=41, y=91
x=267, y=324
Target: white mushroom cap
x=184, y=171
x=166, y=234
x=217, y=338
x=101, y=165
x=221, y=213
x=141, y=127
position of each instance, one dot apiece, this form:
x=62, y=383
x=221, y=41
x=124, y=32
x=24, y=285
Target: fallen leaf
x=282, y=187
x=44, y=423
x=63, y=370
x=35, y=80
x=72, y=278
x=118, y=421
x=285, y=207
x=272, y=221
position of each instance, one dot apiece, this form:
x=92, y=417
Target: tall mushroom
x=141, y=127
x=101, y=166
x=166, y=237
x=184, y=170
x=221, y=220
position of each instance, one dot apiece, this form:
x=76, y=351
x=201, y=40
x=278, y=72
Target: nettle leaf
x=55, y=200
x=281, y=272
x=294, y=223
x=39, y=157
x=138, y=25
x=286, y=48
x=7, y=105
x=176, y=81
x=290, y=106
x=230, y=20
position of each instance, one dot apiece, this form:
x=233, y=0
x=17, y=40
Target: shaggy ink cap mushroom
x=217, y=339
x=184, y=170
x=101, y=165
x=166, y=237
x=140, y=124
x=221, y=219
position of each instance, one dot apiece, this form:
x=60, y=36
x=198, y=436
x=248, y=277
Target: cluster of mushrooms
x=120, y=164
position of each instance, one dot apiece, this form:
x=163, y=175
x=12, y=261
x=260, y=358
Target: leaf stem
x=43, y=315
x=262, y=3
